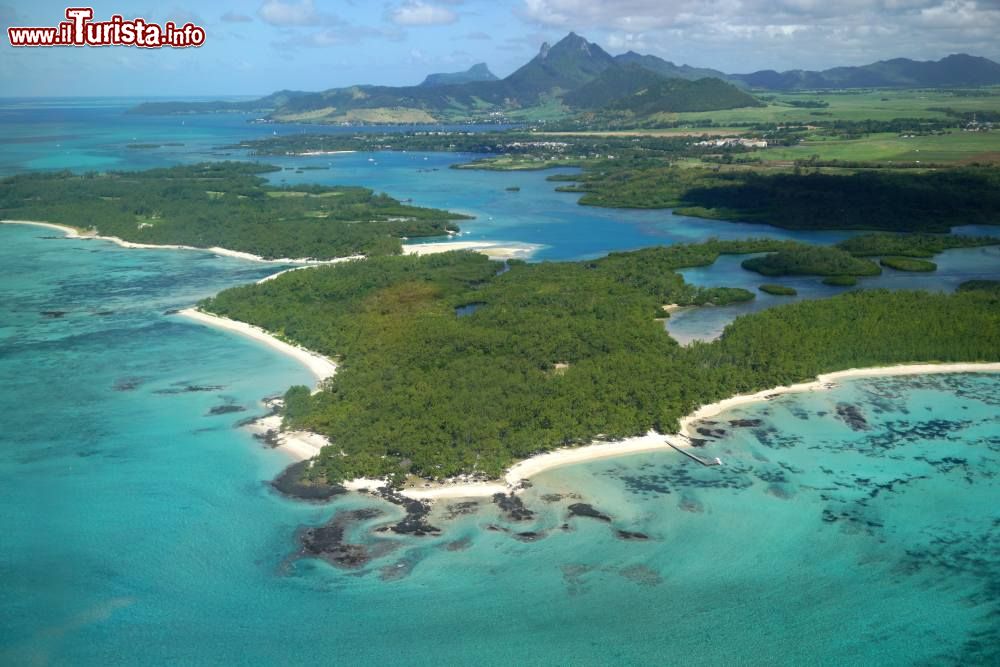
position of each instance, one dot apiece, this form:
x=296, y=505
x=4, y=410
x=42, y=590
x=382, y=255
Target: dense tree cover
x=911, y=245
x=980, y=285
x=908, y=264
x=778, y=290
x=223, y=204
x=557, y=353
x=808, y=260
x=878, y=200
x=891, y=201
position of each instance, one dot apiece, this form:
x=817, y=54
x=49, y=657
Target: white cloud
x=742, y=35
x=285, y=14
x=418, y=13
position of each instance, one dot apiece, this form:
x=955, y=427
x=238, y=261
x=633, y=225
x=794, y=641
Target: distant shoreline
x=77, y=233
x=497, y=250
x=313, y=153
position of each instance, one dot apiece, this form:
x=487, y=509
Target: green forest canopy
x=876, y=200
x=223, y=204
x=559, y=353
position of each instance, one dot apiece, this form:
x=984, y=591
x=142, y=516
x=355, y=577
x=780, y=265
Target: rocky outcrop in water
x=414, y=523
x=631, y=535
x=327, y=541
x=585, y=510
x=226, y=409
x=512, y=507
x=290, y=483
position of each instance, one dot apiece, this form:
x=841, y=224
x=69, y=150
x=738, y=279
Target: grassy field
x=851, y=105
x=957, y=146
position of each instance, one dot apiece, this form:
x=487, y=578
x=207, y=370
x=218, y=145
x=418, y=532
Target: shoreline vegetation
x=304, y=445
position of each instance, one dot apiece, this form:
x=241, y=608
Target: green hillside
x=633, y=88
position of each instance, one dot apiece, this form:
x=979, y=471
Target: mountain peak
x=573, y=41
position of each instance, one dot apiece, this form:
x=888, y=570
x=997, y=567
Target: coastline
x=76, y=233
x=321, y=367
x=300, y=445
x=828, y=381
x=654, y=441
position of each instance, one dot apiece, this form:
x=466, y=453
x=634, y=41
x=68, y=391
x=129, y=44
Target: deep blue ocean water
x=138, y=527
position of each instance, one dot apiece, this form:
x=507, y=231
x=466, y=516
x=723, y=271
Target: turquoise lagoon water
x=138, y=527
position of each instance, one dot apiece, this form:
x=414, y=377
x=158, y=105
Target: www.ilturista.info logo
x=79, y=30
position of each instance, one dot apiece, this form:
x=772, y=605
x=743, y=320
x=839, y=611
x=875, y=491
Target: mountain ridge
x=566, y=76
x=957, y=69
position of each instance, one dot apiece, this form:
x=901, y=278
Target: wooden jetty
x=705, y=462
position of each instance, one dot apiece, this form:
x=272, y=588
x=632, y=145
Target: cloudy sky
x=255, y=46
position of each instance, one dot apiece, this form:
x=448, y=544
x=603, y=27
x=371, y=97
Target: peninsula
x=219, y=206
x=449, y=367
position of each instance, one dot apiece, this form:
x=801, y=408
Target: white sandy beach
x=319, y=365
x=498, y=250
x=829, y=380
x=301, y=445
x=312, y=153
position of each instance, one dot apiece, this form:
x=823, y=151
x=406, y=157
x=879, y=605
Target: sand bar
x=498, y=250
